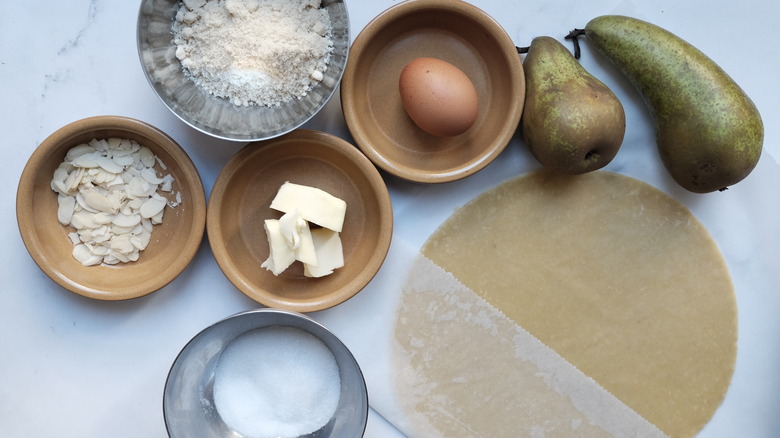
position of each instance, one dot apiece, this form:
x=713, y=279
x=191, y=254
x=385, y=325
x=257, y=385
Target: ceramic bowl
x=453, y=31
x=218, y=116
x=173, y=242
x=189, y=405
x=240, y=203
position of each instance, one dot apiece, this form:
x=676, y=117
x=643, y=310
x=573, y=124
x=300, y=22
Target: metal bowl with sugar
x=194, y=407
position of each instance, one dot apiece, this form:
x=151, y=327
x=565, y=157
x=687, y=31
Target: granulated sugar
x=276, y=382
x=254, y=52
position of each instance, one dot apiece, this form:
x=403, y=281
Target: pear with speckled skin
x=708, y=132
x=571, y=122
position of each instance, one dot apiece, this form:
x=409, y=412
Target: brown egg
x=438, y=97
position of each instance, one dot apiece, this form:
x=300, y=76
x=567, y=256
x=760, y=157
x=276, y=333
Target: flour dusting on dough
x=465, y=369
x=551, y=303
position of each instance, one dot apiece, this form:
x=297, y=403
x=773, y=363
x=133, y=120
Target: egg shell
x=438, y=97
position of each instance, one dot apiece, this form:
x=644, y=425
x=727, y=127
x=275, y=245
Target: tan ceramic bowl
x=173, y=243
x=240, y=202
x=453, y=31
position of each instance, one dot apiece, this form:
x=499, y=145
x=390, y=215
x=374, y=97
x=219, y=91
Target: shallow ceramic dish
x=173, y=243
x=189, y=407
x=217, y=116
x=453, y=31
x=240, y=202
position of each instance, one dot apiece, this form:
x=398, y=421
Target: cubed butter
x=297, y=235
x=281, y=255
x=314, y=205
x=330, y=255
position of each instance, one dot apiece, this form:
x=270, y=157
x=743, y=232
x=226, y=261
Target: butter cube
x=281, y=256
x=297, y=234
x=330, y=256
x=314, y=205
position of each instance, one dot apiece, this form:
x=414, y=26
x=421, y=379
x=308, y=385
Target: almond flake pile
x=108, y=191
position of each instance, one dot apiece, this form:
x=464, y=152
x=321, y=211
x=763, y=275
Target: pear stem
x=573, y=35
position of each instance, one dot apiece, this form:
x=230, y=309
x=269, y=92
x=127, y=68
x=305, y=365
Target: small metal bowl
x=218, y=116
x=188, y=400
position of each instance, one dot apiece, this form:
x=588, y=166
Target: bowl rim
x=25, y=209
x=286, y=314
x=218, y=133
x=352, y=115
x=220, y=248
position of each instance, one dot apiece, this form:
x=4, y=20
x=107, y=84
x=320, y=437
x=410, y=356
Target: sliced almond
x=83, y=219
x=99, y=144
x=103, y=218
x=87, y=161
x=65, y=208
x=82, y=253
x=150, y=175
x=135, y=203
x=109, y=165
x=58, y=181
x=74, y=238
x=118, y=230
x=73, y=180
x=160, y=162
x=138, y=187
x=123, y=160
x=101, y=250
x=114, y=144
x=97, y=202
x=107, y=191
x=78, y=151
x=152, y=206
x=146, y=156
x=167, y=183
x=141, y=241
x=147, y=225
x=119, y=256
x=158, y=218
x=127, y=221
x=122, y=244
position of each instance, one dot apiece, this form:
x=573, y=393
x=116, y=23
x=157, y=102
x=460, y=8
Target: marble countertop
x=75, y=367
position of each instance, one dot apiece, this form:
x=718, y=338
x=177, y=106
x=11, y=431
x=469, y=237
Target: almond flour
x=254, y=52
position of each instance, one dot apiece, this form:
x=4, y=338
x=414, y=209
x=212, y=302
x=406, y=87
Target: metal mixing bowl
x=188, y=401
x=218, y=116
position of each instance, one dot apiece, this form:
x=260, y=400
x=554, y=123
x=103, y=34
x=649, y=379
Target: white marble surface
x=74, y=367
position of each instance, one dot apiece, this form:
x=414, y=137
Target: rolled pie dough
x=590, y=305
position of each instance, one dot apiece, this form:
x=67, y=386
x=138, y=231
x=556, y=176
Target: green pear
x=571, y=121
x=708, y=132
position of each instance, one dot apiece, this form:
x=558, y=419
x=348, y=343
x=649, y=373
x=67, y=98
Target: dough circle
x=616, y=277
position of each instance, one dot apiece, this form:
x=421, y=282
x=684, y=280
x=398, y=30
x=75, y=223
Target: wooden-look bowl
x=450, y=30
x=173, y=243
x=240, y=203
